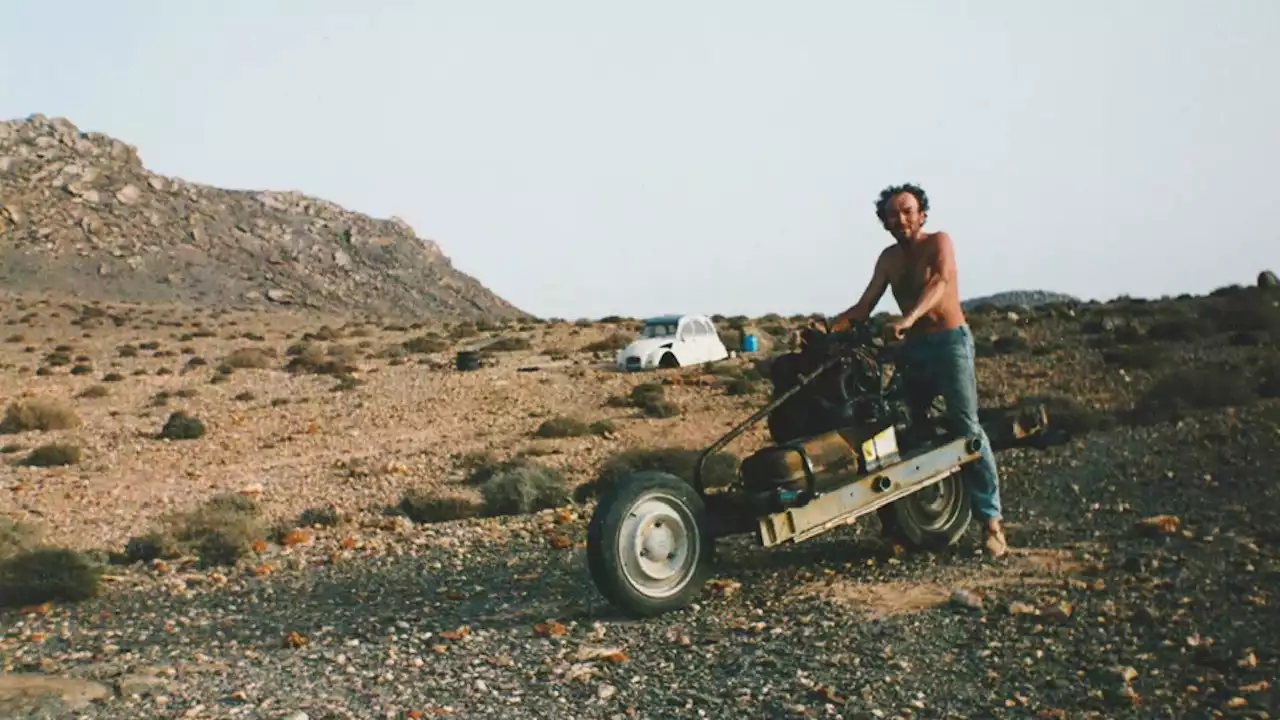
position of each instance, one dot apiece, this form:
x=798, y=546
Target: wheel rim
x=658, y=545
x=934, y=508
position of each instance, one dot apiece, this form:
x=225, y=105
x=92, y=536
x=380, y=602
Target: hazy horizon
x=584, y=160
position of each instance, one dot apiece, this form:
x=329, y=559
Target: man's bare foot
x=995, y=543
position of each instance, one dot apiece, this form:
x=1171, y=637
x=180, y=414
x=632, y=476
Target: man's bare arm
x=942, y=264
x=870, y=297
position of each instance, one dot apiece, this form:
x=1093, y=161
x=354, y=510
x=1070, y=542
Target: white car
x=671, y=341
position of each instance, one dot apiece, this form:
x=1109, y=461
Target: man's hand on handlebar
x=895, y=329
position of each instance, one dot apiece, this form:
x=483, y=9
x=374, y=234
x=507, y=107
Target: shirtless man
x=920, y=268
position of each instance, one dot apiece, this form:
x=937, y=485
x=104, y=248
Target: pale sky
x=589, y=158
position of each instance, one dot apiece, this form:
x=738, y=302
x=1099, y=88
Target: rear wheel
x=932, y=518
x=648, y=545
x=668, y=361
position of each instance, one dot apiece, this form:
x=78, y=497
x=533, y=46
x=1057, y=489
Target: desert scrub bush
x=325, y=516
x=250, y=358
x=1137, y=357
x=429, y=343
x=651, y=399
x=601, y=427
x=1189, y=389
x=52, y=455
x=523, y=488
x=324, y=334
x=48, y=574
x=425, y=506
x=346, y=381
x=181, y=426
x=1245, y=310
x=94, y=392
x=57, y=359
x=562, y=427
x=1069, y=415
x=17, y=537
x=219, y=532
x=43, y=415
x=721, y=469
x=314, y=359
x=510, y=343
x=112, y=377
x=81, y=369
x=246, y=396
x=611, y=344
x=1180, y=329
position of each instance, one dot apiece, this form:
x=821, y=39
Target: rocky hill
x=80, y=213
x=1019, y=298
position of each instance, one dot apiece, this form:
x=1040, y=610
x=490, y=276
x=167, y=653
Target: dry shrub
x=218, y=532
x=181, y=426
x=250, y=358
x=312, y=358
x=326, y=516
x=1069, y=416
x=48, y=574
x=17, y=537
x=43, y=415
x=510, y=343
x=52, y=455
x=429, y=343
x=94, y=391
x=720, y=470
x=1137, y=357
x=524, y=488
x=1189, y=389
x=562, y=427
x=1245, y=310
x=325, y=333
x=424, y=506
x=611, y=344
x=1181, y=329
x=650, y=398
x=741, y=386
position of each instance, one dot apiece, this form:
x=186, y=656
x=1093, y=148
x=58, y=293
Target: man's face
x=903, y=218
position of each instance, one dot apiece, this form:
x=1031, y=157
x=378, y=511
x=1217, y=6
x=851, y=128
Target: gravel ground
x=1105, y=610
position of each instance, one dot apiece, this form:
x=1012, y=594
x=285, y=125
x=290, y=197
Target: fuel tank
x=833, y=458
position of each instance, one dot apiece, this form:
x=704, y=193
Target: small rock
x=277, y=295
x=129, y=194
x=1021, y=608
x=966, y=599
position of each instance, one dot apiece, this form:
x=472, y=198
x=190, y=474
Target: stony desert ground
x=335, y=583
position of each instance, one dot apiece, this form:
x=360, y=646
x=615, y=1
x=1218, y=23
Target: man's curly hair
x=887, y=194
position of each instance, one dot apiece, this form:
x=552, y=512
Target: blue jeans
x=943, y=364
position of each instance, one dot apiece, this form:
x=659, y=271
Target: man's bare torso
x=908, y=270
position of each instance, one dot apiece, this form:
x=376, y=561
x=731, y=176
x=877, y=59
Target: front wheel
x=648, y=548
x=932, y=518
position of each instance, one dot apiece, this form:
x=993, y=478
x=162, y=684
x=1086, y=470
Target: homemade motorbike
x=849, y=439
